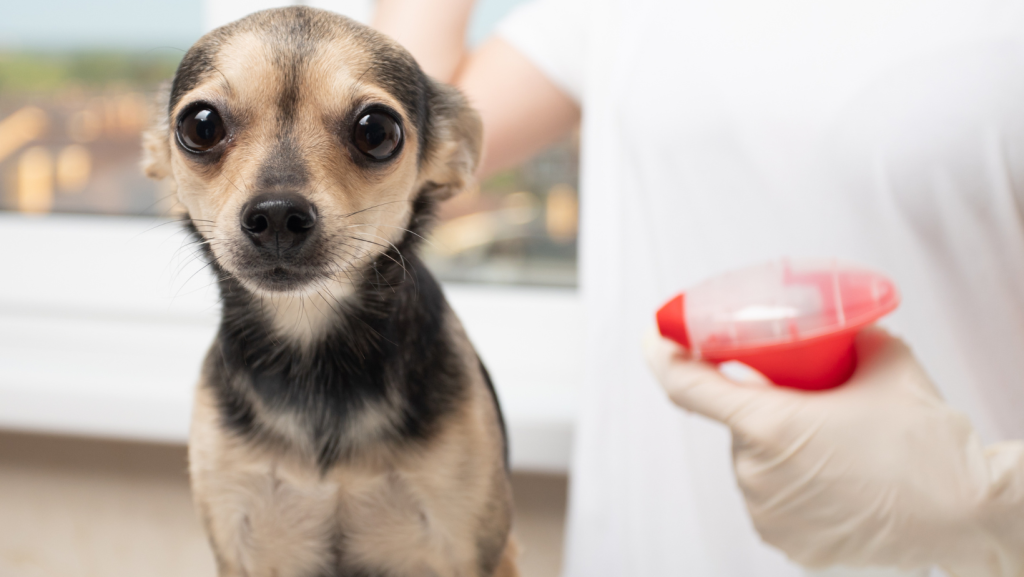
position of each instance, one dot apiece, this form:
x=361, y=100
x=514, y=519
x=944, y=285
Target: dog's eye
x=377, y=134
x=201, y=129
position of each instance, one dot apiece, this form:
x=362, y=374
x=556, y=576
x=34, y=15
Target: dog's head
x=305, y=145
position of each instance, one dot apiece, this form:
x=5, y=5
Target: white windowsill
x=104, y=322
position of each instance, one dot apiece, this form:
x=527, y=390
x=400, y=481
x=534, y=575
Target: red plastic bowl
x=818, y=358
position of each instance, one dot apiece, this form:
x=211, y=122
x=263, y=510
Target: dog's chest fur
x=272, y=513
x=386, y=370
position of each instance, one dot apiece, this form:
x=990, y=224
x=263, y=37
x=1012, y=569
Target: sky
x=135, y=24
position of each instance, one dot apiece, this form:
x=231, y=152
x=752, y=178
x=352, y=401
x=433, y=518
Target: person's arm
x=522, y=110
x=877, y=472
x=434, y=31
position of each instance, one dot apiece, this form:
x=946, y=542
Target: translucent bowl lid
x=785, y=301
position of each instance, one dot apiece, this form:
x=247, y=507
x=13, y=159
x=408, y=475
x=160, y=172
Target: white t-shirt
x=721, y=133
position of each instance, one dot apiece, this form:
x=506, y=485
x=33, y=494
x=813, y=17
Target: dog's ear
x=454, y=143
x=156, y=153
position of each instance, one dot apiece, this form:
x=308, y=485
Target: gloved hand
x=877, y=472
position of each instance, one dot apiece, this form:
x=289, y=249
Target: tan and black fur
x=343, y=424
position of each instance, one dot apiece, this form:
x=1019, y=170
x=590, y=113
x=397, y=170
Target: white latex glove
x=877, y=472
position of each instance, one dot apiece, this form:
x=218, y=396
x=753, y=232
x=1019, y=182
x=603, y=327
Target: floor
x=87, y=508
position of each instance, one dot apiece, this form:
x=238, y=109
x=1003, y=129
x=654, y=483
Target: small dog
x=343, y=423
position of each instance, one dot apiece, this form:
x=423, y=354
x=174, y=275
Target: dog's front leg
x=262, y=518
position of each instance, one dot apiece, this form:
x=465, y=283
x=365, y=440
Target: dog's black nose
x=278, y=222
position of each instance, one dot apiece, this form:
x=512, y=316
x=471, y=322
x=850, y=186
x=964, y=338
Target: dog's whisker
x=333, y=274
x=316, y=187
x=372, y=207
x=345, y=269
x=302, y=313
x=196, y=252
x=158, y=201
x=194, y=256
x=392, y=259
x=369, y=241
x=401, y=228
x=201, y=241
x=201, y=269
x=339, y=257
x=361, y=253
x=405, y=270
x=359, y=270
x=150, y=229
x=322, y=314
x=232, y=183
x=384, y=278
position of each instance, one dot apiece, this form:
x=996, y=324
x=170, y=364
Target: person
x=719, y=134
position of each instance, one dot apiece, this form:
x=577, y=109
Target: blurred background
x=105, y=313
